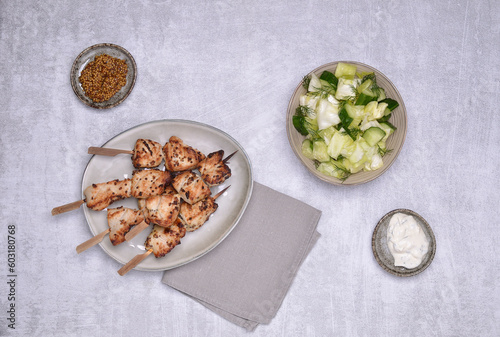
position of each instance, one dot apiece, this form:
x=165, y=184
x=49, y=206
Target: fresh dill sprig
x=353, y=133
x=324, y=91
x=383, y=152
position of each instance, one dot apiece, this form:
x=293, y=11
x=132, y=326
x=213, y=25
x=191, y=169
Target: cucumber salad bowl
x=346, y=122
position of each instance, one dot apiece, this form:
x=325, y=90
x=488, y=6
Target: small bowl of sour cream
x=403, y=243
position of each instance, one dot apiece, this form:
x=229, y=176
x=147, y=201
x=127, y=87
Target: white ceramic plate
x=232, y=203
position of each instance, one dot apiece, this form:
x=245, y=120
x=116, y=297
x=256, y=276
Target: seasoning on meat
x=148, y=183
x=162, y=210
x=213, y=169
x=99, y=196
x=120, y=220
x=194, y=216
x=162, y=240
x=179, y=156
x=147, y=154
x=191, y=187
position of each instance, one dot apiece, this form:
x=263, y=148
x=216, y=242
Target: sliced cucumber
x=307, y=148
x=330, y=78
x=367, y=84
x=365, y=97
x=388, y=129
x=391, y=104
x=389, y=125
x=373, y=135
x=381, y=94
x=320, y=151
x=354, y=111
x=345, y=70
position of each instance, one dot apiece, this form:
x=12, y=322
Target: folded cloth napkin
x=246, y=277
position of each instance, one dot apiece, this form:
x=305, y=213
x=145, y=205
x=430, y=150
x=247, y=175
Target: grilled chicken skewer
x=99, y=196
x=120, y=220
x=160, y=242
x=160, y=210
x=179, y=156
x=191, y=187
x=213, y=169
x=194, y=216
x=148, y=183
x=146, y=154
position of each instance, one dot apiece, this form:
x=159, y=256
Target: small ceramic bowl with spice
x=403, y=243
x=103, y=75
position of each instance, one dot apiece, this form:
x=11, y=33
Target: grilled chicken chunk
x=147, y=154
x=99, y=196
x=163, y=239
x=179, y=156
x=194, y=216
x=120, y=220
x=148, y=183
x=162, y=210
x=191, y=187
x=213, y=170
x=141, y=203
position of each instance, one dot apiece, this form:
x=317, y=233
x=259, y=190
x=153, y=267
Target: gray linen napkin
x=246, y=277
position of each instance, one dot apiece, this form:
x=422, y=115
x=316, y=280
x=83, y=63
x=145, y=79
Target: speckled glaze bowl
x=394, y=142
x=87, y=56
x=381, y=250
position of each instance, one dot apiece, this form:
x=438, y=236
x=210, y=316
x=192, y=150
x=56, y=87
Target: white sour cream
x=406, y=241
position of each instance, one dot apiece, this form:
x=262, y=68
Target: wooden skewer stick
x=220, y=193
x=102, y=151
x=68, y=207
x=92, y=242
x=134, y=262
x=229, y=157
x=136, y=230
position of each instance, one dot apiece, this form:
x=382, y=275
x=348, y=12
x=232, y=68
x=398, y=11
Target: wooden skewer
x=68, y=207
x=221, y=192
x=229, y=157
x=134, y=262
x=136, y=230
x=92, y=242
x=102, y=151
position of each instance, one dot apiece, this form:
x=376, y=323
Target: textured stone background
x=234, y=65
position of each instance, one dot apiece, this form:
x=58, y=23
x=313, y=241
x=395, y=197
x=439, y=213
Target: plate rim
x=74, y=70
x=248, y=196
x=432, y=251
x=318, y=174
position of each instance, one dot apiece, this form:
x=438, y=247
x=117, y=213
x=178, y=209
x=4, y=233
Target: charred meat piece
x=162, y=210
x=213, y=170
x=162, y=240
x=147, y=154
x=99, y=196
x=148, y=183
x=141, y=203
x=194, y=216
x=191, y=187
x=179, y=156
x=120, y=220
